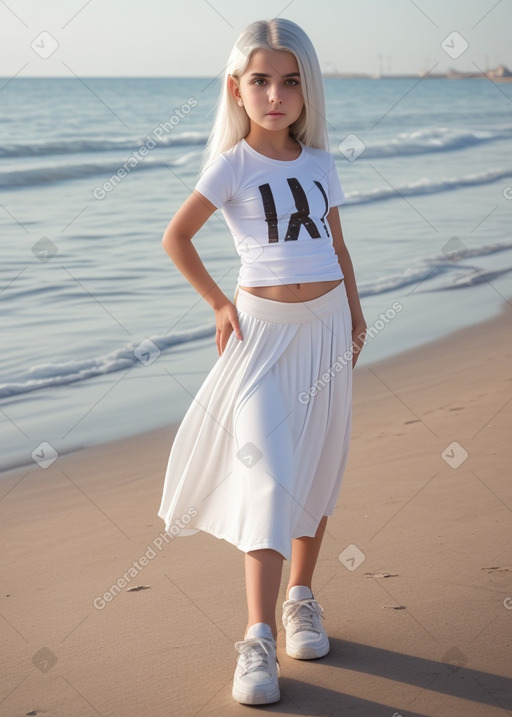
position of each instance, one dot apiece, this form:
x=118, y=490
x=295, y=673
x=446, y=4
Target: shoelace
x=303, y=612
x=254, y=654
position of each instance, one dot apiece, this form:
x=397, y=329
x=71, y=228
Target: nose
x=274, y=96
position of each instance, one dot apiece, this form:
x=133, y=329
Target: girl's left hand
x=358, y=341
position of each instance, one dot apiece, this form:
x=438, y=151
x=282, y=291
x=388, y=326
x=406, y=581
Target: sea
x=102, y=337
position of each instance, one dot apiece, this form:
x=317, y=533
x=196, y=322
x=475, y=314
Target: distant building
x=500, y=71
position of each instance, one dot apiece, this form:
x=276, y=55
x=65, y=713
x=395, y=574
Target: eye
x=259, y=81
x=292, y=82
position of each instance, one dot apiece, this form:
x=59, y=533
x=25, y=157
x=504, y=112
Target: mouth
x=275, y=114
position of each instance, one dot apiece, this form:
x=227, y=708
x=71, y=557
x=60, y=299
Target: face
x=270, y=89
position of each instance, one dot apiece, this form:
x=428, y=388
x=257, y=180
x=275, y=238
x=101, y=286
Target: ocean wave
x=81, y=146
x=426, y=186
x=436, y=139
x=472, y=276
x=420, y=141
x=137, y=352
x=104, y=169
x=450, y=264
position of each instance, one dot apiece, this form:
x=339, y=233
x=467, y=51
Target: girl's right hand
x=226, y=321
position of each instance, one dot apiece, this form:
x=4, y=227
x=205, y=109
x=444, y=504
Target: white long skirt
x=260, y=455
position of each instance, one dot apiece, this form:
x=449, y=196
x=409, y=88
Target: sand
x=415, y=572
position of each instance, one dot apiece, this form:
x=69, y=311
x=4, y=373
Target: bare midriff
x=293, y=292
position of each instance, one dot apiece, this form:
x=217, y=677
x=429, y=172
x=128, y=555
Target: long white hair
x=231, y=122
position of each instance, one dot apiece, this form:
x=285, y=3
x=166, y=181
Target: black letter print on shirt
x=324, y=195
x=270, y=212
x=301, y=216
x=297, y=219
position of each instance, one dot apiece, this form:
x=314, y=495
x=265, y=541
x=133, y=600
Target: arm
x=358, y=322
x=177, y=242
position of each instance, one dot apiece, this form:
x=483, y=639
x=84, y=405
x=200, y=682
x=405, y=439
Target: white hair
x=231, y=122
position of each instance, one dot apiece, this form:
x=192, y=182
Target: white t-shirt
x=277, y=213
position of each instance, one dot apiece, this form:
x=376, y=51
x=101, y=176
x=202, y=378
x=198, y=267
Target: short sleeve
x=217, y=182
x=336, y=194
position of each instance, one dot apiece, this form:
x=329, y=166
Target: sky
x=164, y=38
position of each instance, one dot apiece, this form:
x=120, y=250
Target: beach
x=414, y=575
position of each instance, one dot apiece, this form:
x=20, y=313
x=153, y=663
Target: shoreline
x=171, y=428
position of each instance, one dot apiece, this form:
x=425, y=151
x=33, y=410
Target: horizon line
x=329, y=75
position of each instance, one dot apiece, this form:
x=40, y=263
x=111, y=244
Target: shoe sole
x=258, y=698
x=307, y=653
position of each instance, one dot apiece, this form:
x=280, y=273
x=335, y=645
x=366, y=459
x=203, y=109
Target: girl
x=259, y=457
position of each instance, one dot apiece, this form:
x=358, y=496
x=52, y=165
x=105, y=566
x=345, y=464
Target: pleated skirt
x=259, y=456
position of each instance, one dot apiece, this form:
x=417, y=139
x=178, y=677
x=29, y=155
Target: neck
x=274, y=144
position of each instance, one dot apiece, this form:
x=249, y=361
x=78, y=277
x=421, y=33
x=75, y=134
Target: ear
x=234, y=89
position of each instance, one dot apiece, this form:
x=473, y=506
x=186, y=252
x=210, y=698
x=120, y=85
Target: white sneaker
x=257, y=669
x=305, y=635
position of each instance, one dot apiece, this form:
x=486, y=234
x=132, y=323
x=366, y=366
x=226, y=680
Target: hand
x=358, y=340
x=226, y=320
